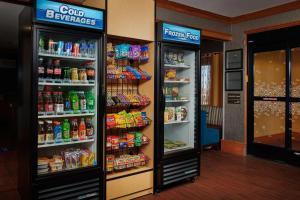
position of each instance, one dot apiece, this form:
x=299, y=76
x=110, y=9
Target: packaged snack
x=144, y=53
x=122, y=51
x=115, y=142
x=145, y=140
x=169, y=114
x=175, y=92
x=121, y=119
x=108, y=143
x=138, y=139
x=178, y=113
x=130, y=139
x=110, y=163
x=111, y=121
x=184, y=113
x=84, y=158
x=170, y=74
x=134, y=52
x=92, y=159
x=123, y=143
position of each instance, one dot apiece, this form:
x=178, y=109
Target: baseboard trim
x=233, y=147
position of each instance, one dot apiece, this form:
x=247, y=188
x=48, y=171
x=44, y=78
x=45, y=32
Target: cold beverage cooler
x=177, y=104
x=60, y=111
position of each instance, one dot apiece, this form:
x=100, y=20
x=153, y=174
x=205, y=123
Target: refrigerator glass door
x=67, y=101
x=179, y=92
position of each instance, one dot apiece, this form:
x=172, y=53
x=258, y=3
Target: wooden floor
x=224, y=177
x=228, y=177
x=279, y=140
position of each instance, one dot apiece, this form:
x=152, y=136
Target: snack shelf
x=176, y=122
x=66, y=57
x=147, y=122
x=178, y=66
x=126, y=172
x=66, y=143
x=68, y=84
x=184, y=82
x=66, y=115
x=176, y=101
x=176, y=149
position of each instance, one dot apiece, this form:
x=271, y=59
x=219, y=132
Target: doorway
x=274, y=95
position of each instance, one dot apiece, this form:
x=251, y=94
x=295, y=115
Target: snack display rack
x=127, y=119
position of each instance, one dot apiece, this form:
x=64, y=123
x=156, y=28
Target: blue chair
x=209, y=136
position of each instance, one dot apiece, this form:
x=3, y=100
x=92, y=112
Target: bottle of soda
x=74, y=101
x=57, y=130
x=66, y=130
x=49, y=132
x=90, y=101
x=41, y=44
x=82, y=101
x=82, y=130
x=57, y=69
x=41, y=133
x=40, y=102
x=89, y=128
x=74, y=131
x=58, y=102
x=67, y=102
x=48, y=102
x=49, y=71
x=41, y=68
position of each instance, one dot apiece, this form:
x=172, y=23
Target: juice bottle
x=41, y=133
x=74, y=131
x=57, y=130
x=82, y=130
x=66, y=130
x=74, y=101
x=90, y=101
x=89, y=128
x=49, y=132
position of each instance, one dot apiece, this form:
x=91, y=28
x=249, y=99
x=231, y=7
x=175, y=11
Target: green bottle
x=90, y=101
x=74, y=101
x=66, y=130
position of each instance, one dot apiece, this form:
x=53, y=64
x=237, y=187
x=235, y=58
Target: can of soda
x=68, y=48
x=60, y=47
x=67, y=73
x=50, y=46
x=76, y=49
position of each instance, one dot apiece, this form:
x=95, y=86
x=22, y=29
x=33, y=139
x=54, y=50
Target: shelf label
x=63, y=13
x=172, y=32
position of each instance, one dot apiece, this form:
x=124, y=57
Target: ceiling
x=232, y=8
x=9, y=14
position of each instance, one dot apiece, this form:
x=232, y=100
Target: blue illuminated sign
x=181, y=34
x=62, y=13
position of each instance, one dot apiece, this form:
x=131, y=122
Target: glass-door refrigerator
x=60, y=116
x=177, y=104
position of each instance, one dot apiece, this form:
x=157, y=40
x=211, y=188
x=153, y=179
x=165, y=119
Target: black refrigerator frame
x=186, y=158
x=31, y=186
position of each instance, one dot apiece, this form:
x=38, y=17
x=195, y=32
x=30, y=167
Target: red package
x=111, y=121
x=115, y=142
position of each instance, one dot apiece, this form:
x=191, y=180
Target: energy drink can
x=50, y=46
x=76, y=49
x=68, y=48
x=60, y=47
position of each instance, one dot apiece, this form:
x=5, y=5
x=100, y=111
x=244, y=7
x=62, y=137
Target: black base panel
x=175, y=170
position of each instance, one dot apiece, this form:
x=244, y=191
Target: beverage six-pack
x=82, y=48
